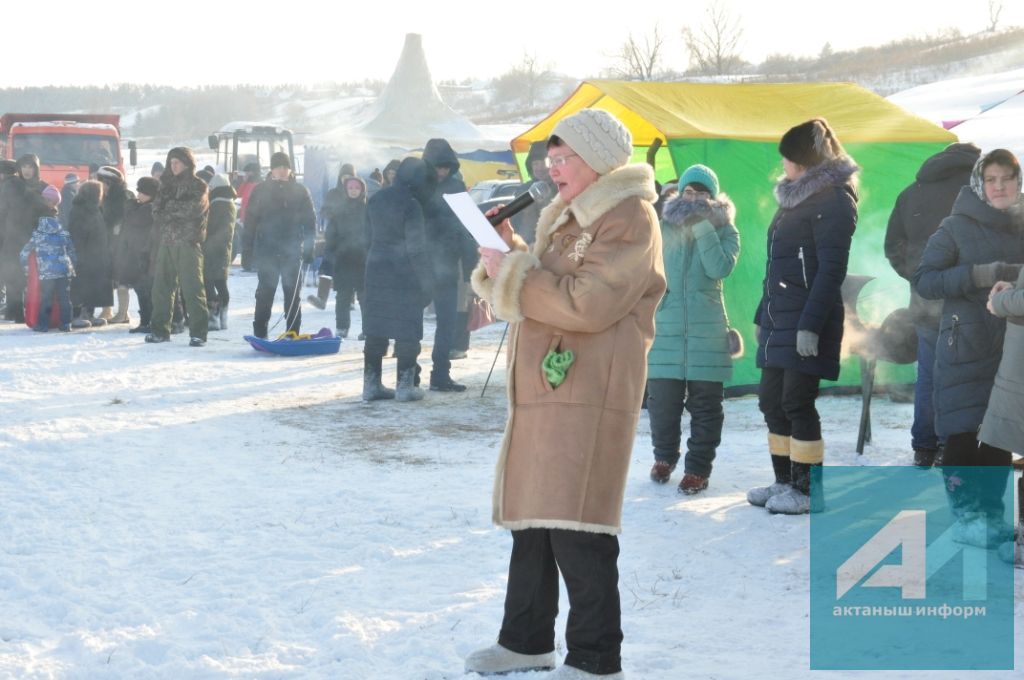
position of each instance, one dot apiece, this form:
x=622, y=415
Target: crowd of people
x=614, y=293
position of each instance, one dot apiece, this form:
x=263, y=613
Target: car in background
x=490, y=189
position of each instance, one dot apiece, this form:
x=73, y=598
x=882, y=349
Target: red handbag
x=480, y=314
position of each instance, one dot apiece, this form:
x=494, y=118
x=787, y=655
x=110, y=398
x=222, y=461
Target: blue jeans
x=922, y=433
x=48, y=288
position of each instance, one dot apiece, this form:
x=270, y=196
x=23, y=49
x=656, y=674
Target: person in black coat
x=451, y=247
x=115, y=197
x=283, y=223
x=92, y=286
x=345, y=211
x=23, y=205
x=398, y=281
x=135, y=254
x=67, y=197
x=916, y=216
x=217, y=250
x=980, y=243
x=800, y=317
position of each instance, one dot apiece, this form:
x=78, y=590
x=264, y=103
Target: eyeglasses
x=696, y=195
x=558, y=161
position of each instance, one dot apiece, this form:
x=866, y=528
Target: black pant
x=666, y=400
x=587, y=561
x=406, y=351
x=271, y=270
x=144, y=291
x=343, y=304
x=786, y=398
x=984, y=493
x=217, y=292
x=15, y=310
x=446, y=295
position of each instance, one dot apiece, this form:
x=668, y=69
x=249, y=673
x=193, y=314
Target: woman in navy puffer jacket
x=800, y=317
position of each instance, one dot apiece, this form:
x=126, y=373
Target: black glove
x=986, y=275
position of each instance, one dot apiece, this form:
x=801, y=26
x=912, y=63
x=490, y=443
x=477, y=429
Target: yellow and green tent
x=735, y=129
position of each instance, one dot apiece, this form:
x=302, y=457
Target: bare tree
x=995, y=8
x=523, y=82
x=639, y=59
x=713, y=46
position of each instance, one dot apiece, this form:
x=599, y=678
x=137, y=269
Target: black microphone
x=538, y=191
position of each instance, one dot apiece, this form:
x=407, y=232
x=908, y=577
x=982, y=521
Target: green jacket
x=700, y=246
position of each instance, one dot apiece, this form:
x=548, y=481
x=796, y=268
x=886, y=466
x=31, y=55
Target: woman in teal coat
x=691, y=358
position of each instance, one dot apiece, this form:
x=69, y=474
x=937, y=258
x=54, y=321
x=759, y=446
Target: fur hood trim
x=837, y=172
x=596, y=200
x=719, y=212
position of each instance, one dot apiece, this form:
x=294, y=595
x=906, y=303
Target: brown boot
x=692, y=484
x=323, y=291
x=661, y=471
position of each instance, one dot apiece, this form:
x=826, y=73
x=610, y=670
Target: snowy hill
x=987, y=110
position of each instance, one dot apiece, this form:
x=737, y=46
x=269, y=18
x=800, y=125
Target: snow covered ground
x=170, y=512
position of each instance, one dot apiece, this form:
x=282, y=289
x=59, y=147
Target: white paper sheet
x=475, y=222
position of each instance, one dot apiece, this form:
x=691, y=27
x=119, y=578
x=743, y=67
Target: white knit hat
x=600, y=139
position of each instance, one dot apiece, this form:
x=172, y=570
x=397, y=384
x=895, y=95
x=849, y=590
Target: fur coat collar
x=596, y=200
x=719, y=212
x=838, y=172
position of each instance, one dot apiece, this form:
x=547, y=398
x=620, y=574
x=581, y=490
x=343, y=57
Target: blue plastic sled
x=323, y=342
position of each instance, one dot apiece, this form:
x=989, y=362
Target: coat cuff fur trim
x=503, y=291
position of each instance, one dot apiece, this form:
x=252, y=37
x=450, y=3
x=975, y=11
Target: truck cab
x=241, y=143
x=64, y=142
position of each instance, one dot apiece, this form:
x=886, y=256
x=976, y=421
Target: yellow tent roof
x=753, y=112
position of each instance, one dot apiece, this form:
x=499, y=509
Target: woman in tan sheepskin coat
x=590, y=286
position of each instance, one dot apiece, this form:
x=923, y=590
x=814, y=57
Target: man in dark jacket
x=449, y=245
x=915, y=217
x=525, y=222
x=283, y=223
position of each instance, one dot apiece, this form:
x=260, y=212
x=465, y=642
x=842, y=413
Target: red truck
x=64, y=142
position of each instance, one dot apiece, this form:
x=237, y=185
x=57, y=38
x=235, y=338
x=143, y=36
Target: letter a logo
x=906, y=529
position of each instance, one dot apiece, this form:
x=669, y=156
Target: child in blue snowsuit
x=55, y=261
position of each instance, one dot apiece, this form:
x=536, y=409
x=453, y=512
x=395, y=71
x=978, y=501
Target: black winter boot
x=925, y=457
x=445, y=383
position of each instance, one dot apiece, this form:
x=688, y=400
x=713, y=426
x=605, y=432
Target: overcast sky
x=188, y=42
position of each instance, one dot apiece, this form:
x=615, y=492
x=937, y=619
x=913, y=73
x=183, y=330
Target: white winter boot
x=496, y=659
x=790, y=502
x=123, y=300
x=572, y=673
x=213, y=321
x=778, y=447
